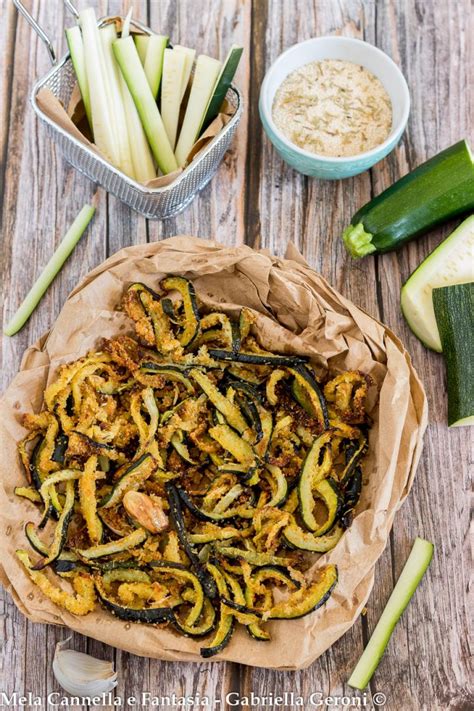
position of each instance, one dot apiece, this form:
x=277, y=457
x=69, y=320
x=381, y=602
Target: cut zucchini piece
x=454, y=310
x=224, y=80
x=134, y=74
x=452, y=262
x=205, y=77
x=189, y=55
x=411, y=575
x=153, y=64
x=173, y=73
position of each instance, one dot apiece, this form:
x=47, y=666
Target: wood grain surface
x=258, y=200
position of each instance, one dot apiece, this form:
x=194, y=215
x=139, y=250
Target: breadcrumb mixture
x=333, y=108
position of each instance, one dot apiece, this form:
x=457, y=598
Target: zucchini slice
x=179, y=571
x=167, y=372
x=133, y=476
x=411, y=575
x=118, y=546
x=254, y=359
x=305, y=600
x=309, y=395
x=60, y=532
x=316, y=468
x=326, y=490
x=230, y=411
x=204, y=625
x=436, y=191
x=296, y=537
x=223, y=634
x=192, y=326
x=452, y=262
x=454, y=309
x=149, y=615
x=235, y=445
x=176, y=513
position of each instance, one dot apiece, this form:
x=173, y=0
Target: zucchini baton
x=436, y=191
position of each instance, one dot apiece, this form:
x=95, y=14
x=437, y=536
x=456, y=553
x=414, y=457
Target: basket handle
x=39, y=30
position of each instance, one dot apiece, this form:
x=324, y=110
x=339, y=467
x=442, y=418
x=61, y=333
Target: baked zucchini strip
x=296, y=537
x=230, y=411
x=305, y=600
x=192, y=326
x=132, y=478
x=181, y=573
x=80, y=604
x=151, y=614
x=119, y=546
x=176, y=514
x=88, y=500
x=229, y=440
x=60, y=532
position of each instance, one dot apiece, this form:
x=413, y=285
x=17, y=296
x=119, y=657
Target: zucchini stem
x=358, y=242
x=413, y=571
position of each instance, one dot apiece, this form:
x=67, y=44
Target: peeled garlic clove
x=80, y=674
x=147, y=512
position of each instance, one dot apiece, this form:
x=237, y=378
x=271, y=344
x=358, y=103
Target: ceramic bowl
x=348, y=49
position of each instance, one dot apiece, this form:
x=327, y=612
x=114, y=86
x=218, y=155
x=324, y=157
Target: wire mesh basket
x=154, y=203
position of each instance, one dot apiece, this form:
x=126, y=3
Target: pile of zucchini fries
x=144, y=105
x=186, y=475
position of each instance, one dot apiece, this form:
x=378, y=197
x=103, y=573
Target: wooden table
x=256, y=199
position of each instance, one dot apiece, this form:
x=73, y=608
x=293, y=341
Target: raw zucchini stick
x=143, y=165
x=141, y=43
x=134, y=74
x=205, y=77
x=452, y=262
x=103, y=123
x=76, y=50
x=223, y=82
x=413, y=571
x=436, y=191
x=189, y=55
x=454, y=310
x=69, y=241
x=154, y=61
x=173, y=72
x=108, y=35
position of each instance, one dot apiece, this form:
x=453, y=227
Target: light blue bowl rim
x=394, y=134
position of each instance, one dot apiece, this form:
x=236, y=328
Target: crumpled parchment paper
x=299, y=313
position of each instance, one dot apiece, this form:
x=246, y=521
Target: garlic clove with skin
x=80, y=674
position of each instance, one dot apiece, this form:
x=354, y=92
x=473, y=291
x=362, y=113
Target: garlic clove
x=80, y=674
x=146, y=511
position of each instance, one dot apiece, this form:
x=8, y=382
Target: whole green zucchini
x=436, y=191
x=454, y=311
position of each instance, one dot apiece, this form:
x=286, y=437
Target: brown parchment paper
x=298, y=313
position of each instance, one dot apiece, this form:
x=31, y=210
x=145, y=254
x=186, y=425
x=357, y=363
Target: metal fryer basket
x=154, y=203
